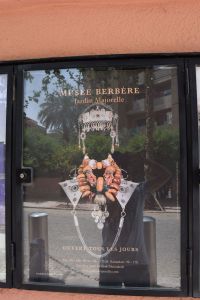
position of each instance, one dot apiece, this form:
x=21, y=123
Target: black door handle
x=24, y=175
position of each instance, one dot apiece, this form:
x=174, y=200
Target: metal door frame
x=8, y=166
x=98, y=61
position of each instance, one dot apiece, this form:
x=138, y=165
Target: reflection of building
x=164, y=96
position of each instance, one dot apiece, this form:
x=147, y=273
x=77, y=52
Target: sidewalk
x=64, y=205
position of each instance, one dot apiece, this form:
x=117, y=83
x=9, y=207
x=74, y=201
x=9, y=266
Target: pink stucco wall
x=58, y=28
x=34, y=295
x=53, y=28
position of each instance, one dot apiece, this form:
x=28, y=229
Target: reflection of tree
x=48, y=154
x=58, y=113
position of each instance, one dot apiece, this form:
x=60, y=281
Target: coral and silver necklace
x=98, y=181
x=99, y=195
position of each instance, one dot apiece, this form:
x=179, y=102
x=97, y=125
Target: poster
x=98, y=140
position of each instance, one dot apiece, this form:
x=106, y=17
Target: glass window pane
x=104, y=203
x=3, y=103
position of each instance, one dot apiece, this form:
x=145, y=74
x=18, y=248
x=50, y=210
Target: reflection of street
x=67, y=259
x=168, y=247
x=69, y=262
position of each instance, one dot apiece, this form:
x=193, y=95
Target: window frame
x=102, y=61
x=8, y=70
x=194, y=174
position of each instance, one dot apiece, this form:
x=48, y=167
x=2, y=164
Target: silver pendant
x=100, y=225
x=106, y=214
x=99, y=215
x=126, y=190
x=71, y=189
x=100, y=199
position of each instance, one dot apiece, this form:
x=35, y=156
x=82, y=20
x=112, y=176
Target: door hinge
x=13, y=256
x=189, y=262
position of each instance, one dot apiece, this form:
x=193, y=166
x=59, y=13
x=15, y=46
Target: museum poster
x=98, y=141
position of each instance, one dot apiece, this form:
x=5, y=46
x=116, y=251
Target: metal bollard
x=38, y=243
x=150, y=242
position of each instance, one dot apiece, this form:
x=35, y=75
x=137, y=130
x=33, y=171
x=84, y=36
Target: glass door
x=101, y=184
x=194, y=135
x=5, y=175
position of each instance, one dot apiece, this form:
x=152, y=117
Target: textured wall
x=13, y=294
x=51, y=28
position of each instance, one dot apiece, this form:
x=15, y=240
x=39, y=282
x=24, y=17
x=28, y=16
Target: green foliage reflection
x=50, y=154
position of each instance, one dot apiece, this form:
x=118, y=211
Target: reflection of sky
x=35, y=85
x=30, y=86
x=3, y=100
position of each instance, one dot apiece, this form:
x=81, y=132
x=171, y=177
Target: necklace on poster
x=71, y=189
x=88, y=183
